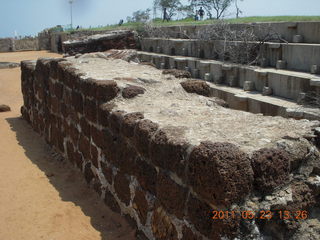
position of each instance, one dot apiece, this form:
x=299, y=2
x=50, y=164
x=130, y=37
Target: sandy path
x=41, y=198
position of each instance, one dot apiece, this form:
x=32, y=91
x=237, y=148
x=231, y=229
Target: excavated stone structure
x=171, y=157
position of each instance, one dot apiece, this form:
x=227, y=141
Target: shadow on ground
x=70, y=184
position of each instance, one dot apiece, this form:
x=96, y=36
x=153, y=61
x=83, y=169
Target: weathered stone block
x=107, y=172
x=94, y=156
x=144, y=130
x=146, y=175
x=84, y=146
x=90, y=110
x=97, y=136
x=140, y=204
x=271, y=169
x=172, y=198
x=129, y=122
x=77, y=101
x=169, y=152
x=115, y=121
x=104, y=111
x=196, y=86
x=106, y=90
x=220, y=172
x=132, y=91
x=111, y=202
x=121, y=186
x=162, y=226
x=187, y=234
x=85, y=127
x=88, y=174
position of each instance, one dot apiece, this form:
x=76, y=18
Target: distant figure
x=121, y=22
x=165, y=15
x=196, y=17
x=78, y=27
x=201, y=13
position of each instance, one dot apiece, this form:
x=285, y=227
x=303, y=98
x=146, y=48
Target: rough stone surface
x=141, y=205
x=132, y=91
x=271, y=169
x=168, y=151
x=177, y=73
x=220, y=172
x=173, y=197
x=121, y=185
x=4, y=108
x=101, y=42
x=162, y=227
x=196, y=86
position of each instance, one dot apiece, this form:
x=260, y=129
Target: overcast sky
x=28, y=17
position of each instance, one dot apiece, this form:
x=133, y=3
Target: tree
x=238, y=9
x=140, y=16
x=218, y=6
x=171, y=6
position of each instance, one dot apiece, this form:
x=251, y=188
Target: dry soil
x=40, y=197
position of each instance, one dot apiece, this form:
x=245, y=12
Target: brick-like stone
x=84, y=146
x=187, y=234
x=162, y=227
x=58, y=90
x=106, y=90
x=271, y=169
x=55, y=105
x=146, y=175
x=85, y=127
x=126, y=157
x=196, y=86
x=115, y=121
x=140, y=204
x=88, y=174
x=200, y=214
x=94, y=155
x=172, y=198
x=104, y=111
x=121, y=186
x=97, y=136
x=77, y=101
x=129, y=122
x=87, y=87
x=107, y=172
x=90, y=110
x=169, y=152
x=144, y=130
x=132, y=91
x=220, y=172
x=111, y=202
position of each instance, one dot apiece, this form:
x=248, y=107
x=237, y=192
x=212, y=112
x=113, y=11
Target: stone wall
x=26, y=44
x=308, y=32
x=166, y=187
x=12, y=45
x=6, y=45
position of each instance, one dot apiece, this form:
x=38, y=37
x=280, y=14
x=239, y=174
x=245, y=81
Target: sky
x=28, y=17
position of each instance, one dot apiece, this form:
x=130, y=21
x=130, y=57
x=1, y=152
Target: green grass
x=233, y=20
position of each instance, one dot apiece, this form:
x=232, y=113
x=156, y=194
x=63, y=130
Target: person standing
x=165, y=15
x=196, y=17
x=201, y=13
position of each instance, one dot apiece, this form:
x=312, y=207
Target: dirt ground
x=41, y=198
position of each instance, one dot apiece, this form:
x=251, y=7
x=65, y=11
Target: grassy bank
x=232, y=20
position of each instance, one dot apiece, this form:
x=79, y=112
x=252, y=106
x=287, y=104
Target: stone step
x=284, y=83
x=293, y=56
x=228, y=80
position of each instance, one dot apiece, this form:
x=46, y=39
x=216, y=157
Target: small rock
x=4, y=108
